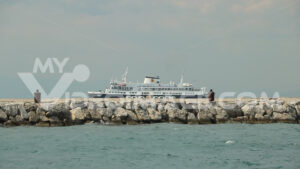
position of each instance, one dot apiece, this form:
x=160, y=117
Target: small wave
x=229, y=142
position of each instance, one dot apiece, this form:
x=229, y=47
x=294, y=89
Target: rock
x=204, y=115
x=142, y=115
x=100, y=104
x=42, y=124
x=132, y=118
x=154, y=115
x=205, y=118
x=297, y=107
x=136, y=106
x=152, y=105
x=128, y=105
x=240, y=119
x=249, y=110
x=23, y=112
x=78, y=115
x=233, y=110
x=11, y=109
x=33, y=118
x=187, y=107
x=78, y=103
x=92, y=105
x=120, y=104
x=177, y=115
x=119, y=116
x=106, y=113
x=161, y=107
x=19, y=119
x=46, y=106
x=262, y=118
x=30, y=106
x=267, y=108
x=9, y=123
x=44, y=119
x=284, y=117
x=40, y=112
x=191, y=119
x=111, y=105
x=3, y=116
x=60, y=110
x=144, y=105
x=222, y=117
x=291, y=110
x=95, y=116
x=171, y=106
x=279, y=108
x=56, y=123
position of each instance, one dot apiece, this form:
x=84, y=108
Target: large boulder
x=33, y=118
x=177, y=115
x=249, y=110
x=192, y=119
x=142, y=115
x=12, y=109
x=188, y=107
x=19, y=119
x=41, y=113
x=106, y=113
x=95, y=116
x=131, y=118
x=154, y=115
x=262, y=118
x=78, y=115
x=205, y=115
x=119, y=116
x=3, y=116
x=144, y=105
x=284, y=117
x=78, y=103
x=161, y=107
x=60, y=110
x=92, y=109
x=30, y=106
x=100, y=104
x=279, y=108
x=128, y=105
x=111, y=105
x=23, y=112
x=233, y=110
x=222, y=116
x=297, y=107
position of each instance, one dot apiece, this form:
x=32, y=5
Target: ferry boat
x=151, y=88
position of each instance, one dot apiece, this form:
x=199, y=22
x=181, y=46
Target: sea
x=162, y=145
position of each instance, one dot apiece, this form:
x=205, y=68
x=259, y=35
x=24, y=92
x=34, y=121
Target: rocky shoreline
x=120, y=112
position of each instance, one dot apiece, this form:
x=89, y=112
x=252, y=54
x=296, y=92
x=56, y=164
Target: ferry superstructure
x=151, y=88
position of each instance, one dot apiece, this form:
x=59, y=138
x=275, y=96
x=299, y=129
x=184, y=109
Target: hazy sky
x=232, y=45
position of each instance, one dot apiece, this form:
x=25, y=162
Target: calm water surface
x=151, y=146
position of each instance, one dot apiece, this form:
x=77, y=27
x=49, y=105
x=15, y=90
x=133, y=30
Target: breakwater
x=122, y=111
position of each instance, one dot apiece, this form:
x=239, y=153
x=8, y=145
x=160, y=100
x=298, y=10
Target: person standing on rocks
x=211, y=95
x=37, y=96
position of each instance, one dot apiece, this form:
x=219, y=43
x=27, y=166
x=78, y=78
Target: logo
x=80, y=73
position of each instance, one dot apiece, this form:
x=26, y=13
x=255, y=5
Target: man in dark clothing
x=37, y=97
x=211, y=95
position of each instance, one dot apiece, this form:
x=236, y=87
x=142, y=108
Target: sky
x=229, y=46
